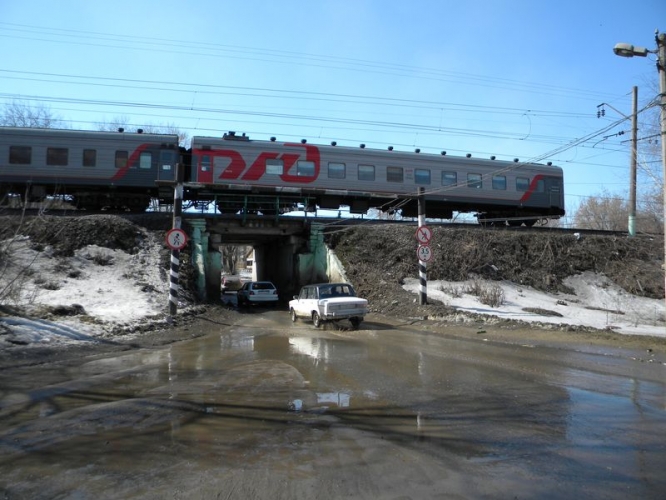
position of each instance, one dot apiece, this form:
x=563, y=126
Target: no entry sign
x=176, y=239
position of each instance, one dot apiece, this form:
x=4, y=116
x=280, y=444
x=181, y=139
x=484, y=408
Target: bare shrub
x=476, y=288
x=62, y=266
x=101, y=259
x=492, y=295
x=452, y=290
x=47, y=284
x=65, y=267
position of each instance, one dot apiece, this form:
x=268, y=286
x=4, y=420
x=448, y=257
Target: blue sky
x=514, y=78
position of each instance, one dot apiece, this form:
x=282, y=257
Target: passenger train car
x=330, y=176
x=124, y=170
x=96, y=169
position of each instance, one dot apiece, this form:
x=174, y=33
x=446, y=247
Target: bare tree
x=604, y=212
x=608, y=212
x=24, y=114
x=231, y=256
x=169, y=128
x=150, y=128
x=114, y=124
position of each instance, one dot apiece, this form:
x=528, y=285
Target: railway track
x=155, y=217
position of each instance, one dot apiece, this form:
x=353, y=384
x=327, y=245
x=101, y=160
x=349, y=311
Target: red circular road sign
x=423, y=235
x=424, y=253
x=176, y=239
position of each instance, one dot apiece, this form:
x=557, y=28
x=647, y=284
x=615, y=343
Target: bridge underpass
x=290, y=252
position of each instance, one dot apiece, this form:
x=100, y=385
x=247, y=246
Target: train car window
x=394, y=174
x=336, y=171
x=474, y=181
x=540, y=186
x=499, y=182
x=57, y=156
x=422, y=176
x=205, y=163
x=449, y=178
x=305, y=168
x=274, y=166
x=20, y=155
x=121, y=159
x=89, y=158
x=522, y=183
x=145, y=159
x=366, y=172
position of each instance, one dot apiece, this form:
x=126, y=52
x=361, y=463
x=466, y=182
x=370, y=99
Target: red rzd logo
x=237, y=168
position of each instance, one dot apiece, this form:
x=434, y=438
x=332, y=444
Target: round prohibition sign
x=423, y=235
x=424, y=253
x=176, y=239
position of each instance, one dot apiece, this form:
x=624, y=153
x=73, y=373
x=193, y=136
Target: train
x=133, y=171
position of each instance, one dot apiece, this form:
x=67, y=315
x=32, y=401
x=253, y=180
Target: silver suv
x=328, y=302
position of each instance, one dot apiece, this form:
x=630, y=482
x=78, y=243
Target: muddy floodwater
x=263, y=408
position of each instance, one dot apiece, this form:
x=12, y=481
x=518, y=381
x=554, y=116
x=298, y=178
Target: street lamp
x=628, y=50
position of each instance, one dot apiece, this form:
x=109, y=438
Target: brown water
x=267, y=409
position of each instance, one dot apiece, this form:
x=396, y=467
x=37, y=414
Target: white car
x=328, y=302
x=257, y=292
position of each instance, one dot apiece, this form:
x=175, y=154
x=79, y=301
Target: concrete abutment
x=290, y=254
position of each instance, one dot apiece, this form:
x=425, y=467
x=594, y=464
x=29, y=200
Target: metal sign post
x=423, y=235
x=176, y=240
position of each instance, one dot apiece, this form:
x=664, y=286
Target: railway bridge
x=289, y=251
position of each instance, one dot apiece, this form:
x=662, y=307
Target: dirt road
x=252, y=406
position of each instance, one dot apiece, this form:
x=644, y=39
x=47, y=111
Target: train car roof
x=244, y=140
x=82, y=134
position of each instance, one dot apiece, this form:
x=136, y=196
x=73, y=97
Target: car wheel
x=355, y=322
x=293, y=316
x=316, y=319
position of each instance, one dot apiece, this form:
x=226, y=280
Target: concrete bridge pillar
x=214, y=268
x=199, y=238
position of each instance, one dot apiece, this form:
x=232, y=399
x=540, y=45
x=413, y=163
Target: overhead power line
x=191, y=48
x=183, y=87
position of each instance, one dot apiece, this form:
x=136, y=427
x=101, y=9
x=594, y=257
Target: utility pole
x=629, y=50
x=634, y=160
x=661, y=67
x=634, y=155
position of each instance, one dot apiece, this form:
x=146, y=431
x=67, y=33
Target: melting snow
x=118, y=288
x=596, y=303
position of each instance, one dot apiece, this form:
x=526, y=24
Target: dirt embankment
x=378, y=258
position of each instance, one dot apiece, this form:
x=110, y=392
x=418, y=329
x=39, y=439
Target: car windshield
x=263, y=286
x=327, y=292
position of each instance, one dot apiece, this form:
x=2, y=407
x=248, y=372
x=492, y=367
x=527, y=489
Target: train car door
x=555, y=194
x=166, y=166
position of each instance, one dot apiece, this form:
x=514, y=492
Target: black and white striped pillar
x=423, y=278
x=175, y=254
